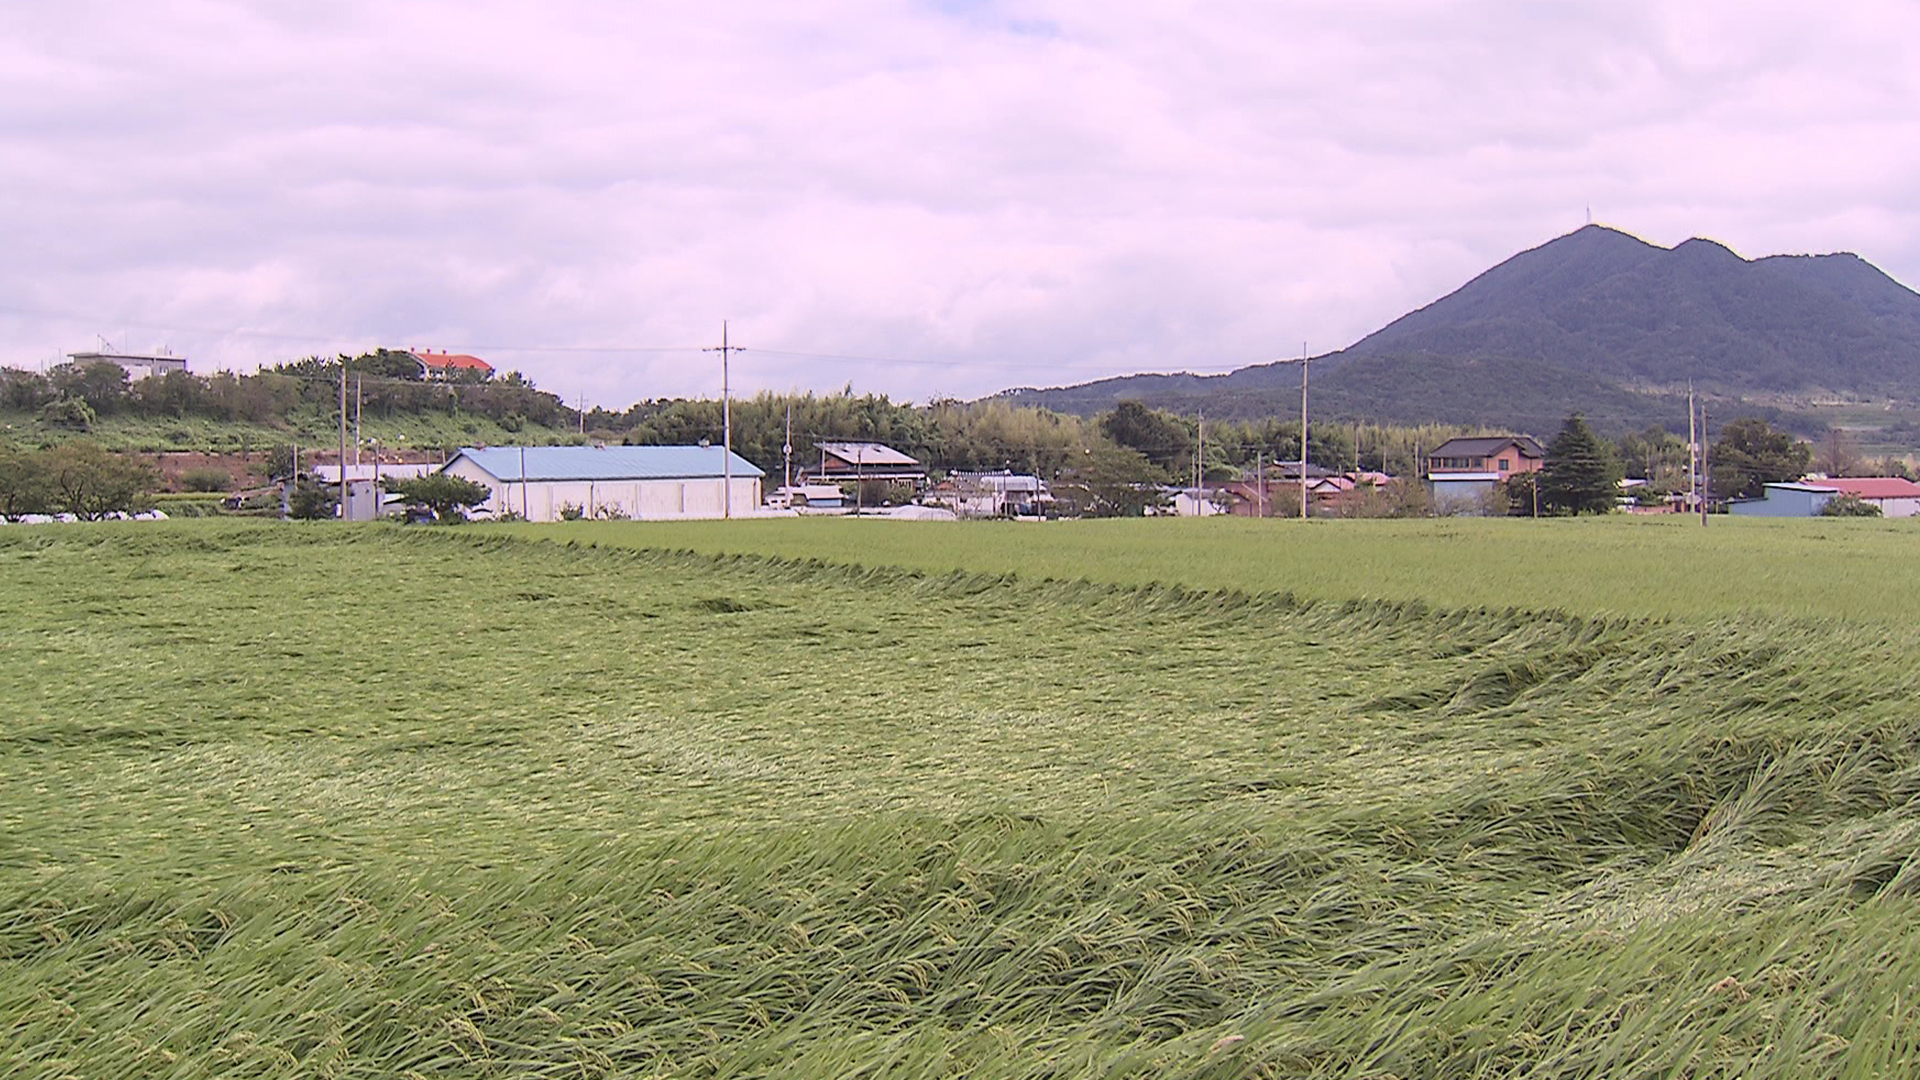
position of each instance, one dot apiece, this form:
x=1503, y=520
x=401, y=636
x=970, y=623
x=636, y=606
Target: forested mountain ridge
x=1597, y=321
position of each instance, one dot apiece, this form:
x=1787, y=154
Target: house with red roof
x=446, y=366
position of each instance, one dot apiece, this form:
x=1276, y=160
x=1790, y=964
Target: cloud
x=919, y=198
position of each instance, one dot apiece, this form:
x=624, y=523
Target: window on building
x=1506, y=464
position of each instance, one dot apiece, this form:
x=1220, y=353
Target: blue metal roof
x=607, y=462
x=1818, y=489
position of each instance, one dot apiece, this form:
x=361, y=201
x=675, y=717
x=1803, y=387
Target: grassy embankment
x=285, y=800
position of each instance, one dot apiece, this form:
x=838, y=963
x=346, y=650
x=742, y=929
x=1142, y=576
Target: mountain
x=1597, y=321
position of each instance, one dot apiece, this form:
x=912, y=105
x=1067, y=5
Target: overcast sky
x=943, y=197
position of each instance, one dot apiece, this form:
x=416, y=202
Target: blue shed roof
x=607, y=462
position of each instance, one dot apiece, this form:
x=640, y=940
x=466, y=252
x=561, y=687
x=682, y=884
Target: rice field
x=325, y=801
x=1856, y=569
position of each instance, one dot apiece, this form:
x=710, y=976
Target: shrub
x=205, y=479
x=1849, y=506
x=69, y=413
x=312, y=502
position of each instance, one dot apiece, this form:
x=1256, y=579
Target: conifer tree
x=1581, y=475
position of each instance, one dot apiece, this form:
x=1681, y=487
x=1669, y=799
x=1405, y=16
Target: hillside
x=1599, y=321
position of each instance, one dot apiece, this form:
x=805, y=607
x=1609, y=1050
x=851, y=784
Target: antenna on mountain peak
x=1589, y=213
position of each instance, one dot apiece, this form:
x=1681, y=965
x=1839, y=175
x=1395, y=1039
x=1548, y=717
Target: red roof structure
x=442, y=363
x=1872, y=487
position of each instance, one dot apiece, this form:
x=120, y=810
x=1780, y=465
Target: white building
x=137, y=366
x=641, y=482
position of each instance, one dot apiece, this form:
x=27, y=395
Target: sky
x=922, y=198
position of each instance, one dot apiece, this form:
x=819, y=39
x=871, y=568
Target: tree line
x=383, y=383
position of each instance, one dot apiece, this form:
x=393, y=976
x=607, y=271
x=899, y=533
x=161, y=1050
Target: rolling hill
x=1597, y=321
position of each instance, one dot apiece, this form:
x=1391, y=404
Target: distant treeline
x=995, y=434
x=382, y=383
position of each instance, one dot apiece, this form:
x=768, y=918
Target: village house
x=446, y=366
x=541, y=483
x=851, y=462
x=1463, y=472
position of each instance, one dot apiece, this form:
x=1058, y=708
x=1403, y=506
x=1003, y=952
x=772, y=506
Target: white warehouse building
x=640, y=482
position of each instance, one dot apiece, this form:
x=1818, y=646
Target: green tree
x=23, y=482
x=1111, y=483
x=90, y=483
x=280, y=461
x=101, y=384
x=1162, y=437
x=1581, y=475
x=24, y=390
x=1518, y=495
x=1750, y=455
x=449, y=497
x=1653, y=453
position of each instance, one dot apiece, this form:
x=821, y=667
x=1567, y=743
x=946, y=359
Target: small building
x=1196, y=501
x=366, y=500
x=542, y=483
x=138, y=366
x=809, y=497
x=857, y=461
x=446, y=366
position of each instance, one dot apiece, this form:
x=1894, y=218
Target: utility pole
x=1199, y=470
x=286, y=486
x=1706, y=467
x=786, y=448
x=1260, y=478
x=726, y=418
x=1303, y=431
x=343, y=441
x=1693, y=451
x=357, y=401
